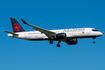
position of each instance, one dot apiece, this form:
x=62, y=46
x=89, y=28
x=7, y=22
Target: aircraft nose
x=100, y=34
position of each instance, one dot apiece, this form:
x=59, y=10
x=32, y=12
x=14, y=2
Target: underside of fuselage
x=39, y=39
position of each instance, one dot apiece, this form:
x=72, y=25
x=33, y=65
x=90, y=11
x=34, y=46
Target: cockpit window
x=94, y=30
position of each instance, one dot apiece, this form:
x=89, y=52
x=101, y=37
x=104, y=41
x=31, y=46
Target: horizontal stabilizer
x=9, y=32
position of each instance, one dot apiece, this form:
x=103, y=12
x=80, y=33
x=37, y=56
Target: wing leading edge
x=48, y=33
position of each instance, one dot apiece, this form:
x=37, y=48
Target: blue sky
x=16, y=54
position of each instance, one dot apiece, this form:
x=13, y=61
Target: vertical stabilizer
x=16, y=26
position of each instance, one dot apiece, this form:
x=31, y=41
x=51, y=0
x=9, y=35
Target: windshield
x=94, y=30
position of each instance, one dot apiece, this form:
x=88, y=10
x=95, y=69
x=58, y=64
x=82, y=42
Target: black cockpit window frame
x=94, y=30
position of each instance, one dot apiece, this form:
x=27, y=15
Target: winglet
x=23, y=21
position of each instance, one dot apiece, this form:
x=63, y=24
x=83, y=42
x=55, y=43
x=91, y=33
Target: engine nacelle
x=60, y=36
x=71, y=41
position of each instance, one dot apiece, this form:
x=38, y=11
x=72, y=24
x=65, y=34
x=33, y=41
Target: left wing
x=48, y=33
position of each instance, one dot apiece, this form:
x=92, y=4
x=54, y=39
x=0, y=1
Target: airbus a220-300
x=68, y=36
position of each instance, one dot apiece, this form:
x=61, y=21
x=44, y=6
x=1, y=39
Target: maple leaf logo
x=16, y=27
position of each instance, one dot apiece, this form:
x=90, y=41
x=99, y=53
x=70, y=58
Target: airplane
x=68, y=36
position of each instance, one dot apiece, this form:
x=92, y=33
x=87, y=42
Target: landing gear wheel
x=51, y=42
x=58, y=45
x=93, y=41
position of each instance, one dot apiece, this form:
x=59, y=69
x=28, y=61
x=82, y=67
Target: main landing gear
x=93, y=39
x=58, y=45
x=51, y=42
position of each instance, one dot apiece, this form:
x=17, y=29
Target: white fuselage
x=71, y=33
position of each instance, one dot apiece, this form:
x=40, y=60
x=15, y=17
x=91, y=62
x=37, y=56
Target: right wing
x=48, y=33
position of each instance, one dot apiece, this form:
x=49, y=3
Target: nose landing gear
x=93, y=39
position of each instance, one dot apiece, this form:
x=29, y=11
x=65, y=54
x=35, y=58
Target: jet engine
x=71, y=41
x=60, y=36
